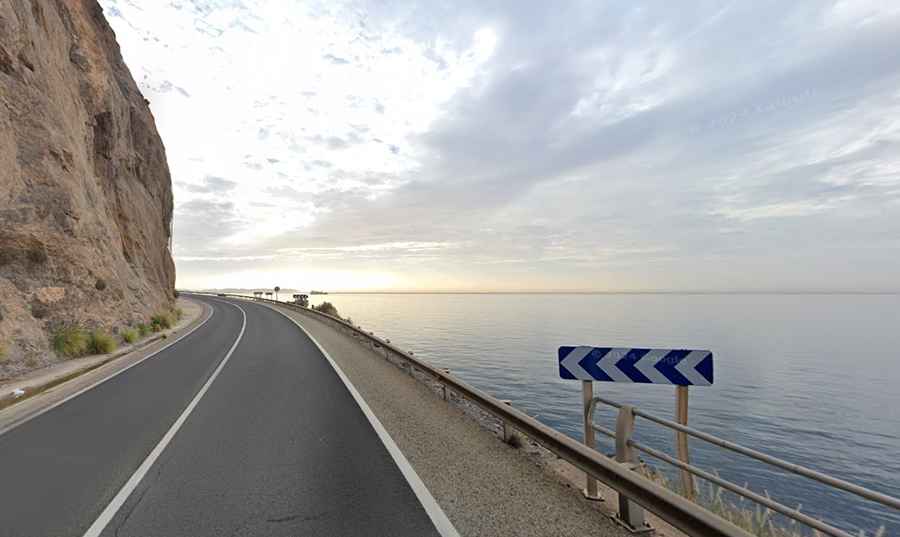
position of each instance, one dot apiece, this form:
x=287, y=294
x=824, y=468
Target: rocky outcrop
x=85, y=191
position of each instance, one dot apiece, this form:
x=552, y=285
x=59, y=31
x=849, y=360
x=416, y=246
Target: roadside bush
x=327, y=308
x=101, y=343
x=71, y=342
x=143, y=329
x=179, y=313
x=129, y=335
x=162, y=321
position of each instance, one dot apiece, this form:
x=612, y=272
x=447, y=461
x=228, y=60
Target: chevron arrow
x=681, y=367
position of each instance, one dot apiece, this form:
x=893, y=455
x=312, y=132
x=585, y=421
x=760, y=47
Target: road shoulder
x=485, y=486
x=52, y=386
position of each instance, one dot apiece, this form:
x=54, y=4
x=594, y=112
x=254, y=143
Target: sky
x=510, y=145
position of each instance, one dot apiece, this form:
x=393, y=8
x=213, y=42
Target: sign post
x=678, y=367
x=587, y=395
x=681, y=440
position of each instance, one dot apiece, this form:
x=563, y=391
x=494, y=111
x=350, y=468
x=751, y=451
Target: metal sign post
x=679, y=367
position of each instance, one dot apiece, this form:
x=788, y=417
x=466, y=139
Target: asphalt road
x=275, y=445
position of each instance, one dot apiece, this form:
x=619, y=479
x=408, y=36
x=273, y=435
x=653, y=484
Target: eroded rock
x=85, y=191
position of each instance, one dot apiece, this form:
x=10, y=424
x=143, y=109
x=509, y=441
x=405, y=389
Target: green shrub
x=129, y=335
x=71, y=342
x=101, y=343
x=162, y=321
x=327, y=308
x=143, y=329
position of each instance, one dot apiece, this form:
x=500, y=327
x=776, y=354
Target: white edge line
x=441, y=523
x=68, y=398
x=116, y=503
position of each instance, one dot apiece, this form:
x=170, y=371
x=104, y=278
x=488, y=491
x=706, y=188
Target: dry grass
x=751, y=517
x=71, y=342
x=162, y=321
x=129, y=335
x=101, y=343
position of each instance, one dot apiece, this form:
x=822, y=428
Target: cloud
x=212, y=185
x=331, y=58
x=570, y=145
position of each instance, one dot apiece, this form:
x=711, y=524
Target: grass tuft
x=143, y=329
x=71, y=342
x=101, y=343
x=130, y=335
x=2, y=352
x=751, y=517
x=162, y=321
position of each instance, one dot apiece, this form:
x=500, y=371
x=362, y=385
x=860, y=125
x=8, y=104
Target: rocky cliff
x=85, y=192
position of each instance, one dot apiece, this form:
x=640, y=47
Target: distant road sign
x=681, y=367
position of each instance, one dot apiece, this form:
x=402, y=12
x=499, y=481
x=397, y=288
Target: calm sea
x=814, y=379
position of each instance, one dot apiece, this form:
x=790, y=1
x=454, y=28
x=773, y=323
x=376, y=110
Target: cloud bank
x=509, y=145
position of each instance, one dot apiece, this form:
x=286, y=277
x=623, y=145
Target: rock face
x=85, y=191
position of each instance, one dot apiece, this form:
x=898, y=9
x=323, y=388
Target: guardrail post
x=444, y=385
x=630, y=513
x=587, y=395
x=507, y=429
x=681, y=440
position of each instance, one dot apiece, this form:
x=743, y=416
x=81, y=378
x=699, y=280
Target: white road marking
x=107, y=515
x=104, y=379
x=441, y=523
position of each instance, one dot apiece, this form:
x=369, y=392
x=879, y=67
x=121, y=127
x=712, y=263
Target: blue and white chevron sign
x=681, y=367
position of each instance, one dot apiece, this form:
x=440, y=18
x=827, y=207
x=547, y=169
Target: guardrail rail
x=626, y=446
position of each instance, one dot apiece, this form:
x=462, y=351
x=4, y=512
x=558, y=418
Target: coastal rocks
x=85, y=191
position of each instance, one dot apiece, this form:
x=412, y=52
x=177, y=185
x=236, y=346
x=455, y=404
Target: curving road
x=243, y=427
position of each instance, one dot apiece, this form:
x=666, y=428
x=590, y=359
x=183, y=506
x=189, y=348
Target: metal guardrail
x=625, y=446
x=669, y=506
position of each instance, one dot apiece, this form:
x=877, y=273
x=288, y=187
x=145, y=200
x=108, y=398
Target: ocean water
x=814, y=379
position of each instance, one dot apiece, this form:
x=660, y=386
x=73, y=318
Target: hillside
x=85, y=191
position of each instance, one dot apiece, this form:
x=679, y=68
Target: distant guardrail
x=669, y=506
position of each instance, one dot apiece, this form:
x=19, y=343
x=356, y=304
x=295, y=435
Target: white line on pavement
x=434, y=511
x=104, y=379
x=100, y=524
